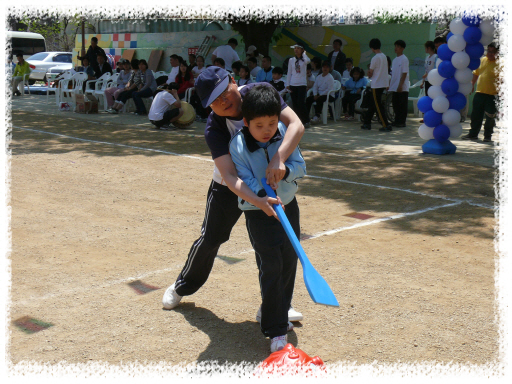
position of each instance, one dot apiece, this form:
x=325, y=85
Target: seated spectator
x=166, y=107
x=175, y=68
x=316, y=66
x=310, y=77
x=349, y=64
x=192, y=60
x=145, y=90
x=323, y=84
x=235, y=67
x=185, y=79
x=102, y=66
x=353, y=90
x=199, y=67
x=119, y=67
x=277, y=82
x=219, y=62
x=112, y=93
x=21, y=69
x=252, y=63
x=245, y=76
x=131, y=87
x=265, y=74
x=252, y=52
x=88, y=69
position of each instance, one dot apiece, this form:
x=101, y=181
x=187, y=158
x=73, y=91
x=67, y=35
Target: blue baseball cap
x=210, y=84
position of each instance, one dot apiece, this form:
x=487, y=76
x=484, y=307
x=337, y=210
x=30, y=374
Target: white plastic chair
x=77, y=81
x=188, y=94
x=99, y=88
x=65, y=75
x=357, y=106
x=24, y=82
x=327, y=103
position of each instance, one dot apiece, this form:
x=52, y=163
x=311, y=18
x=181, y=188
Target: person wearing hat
x=112, y=93
x=216, y=88
x=297, y=83
x=227, y=53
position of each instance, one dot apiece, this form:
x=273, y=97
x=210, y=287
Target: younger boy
x=324, y=83
x=399, y=84
x=251, y=148
x=277, y=83
x=349, y=64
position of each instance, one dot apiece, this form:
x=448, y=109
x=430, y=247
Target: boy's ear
x=246, y=123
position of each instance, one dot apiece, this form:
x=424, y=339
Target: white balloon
x=486, y=40
x=440, y=104
x=434, y=77
x=464, y=88
x=435, y=91
x=486, y=27
x=438, y=61
x=456, y=43
x=455, y=130
x=426, y=133
x=460, y=60
x=463, y=75
x=457, y=27
x=451, y=117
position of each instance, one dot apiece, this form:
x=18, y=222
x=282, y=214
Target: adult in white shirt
x=297, y=83
x=399, y=84
x=227, y=53
x=323, y=84
x=175, y=70
x=252, y=63
x=378, y=73
x=165, y=108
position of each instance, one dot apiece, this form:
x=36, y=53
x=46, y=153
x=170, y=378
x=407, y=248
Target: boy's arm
x=276, y=168
x=296, y=166
x=228, y=171
x=243, y=169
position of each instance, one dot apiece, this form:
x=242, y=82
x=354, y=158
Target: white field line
x=210, y=160
x=178, y=267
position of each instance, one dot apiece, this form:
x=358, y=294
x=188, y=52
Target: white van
x=28, y=43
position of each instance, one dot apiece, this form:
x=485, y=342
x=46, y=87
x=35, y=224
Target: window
x=62, y=58
x=39, y=56
x=28, y=46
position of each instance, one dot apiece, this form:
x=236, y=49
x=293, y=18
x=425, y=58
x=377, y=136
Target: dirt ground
x=90, y=217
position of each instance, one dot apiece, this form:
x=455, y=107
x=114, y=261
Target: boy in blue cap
x=250, y=150
x=217, y=89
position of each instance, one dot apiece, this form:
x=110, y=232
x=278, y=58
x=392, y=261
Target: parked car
x=41, y=62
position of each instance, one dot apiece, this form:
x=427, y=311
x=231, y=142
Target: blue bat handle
x=286, y=225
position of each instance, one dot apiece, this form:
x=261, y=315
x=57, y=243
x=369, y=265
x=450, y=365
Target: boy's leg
x=288, y=253
x=477, y=114
x=490, y=116
x=169, y=115
x=352, y=103
x=267, y=237
x=319, y=105
x=221, y=215
x=381, y=113
x=372, y=107
x=309, y=102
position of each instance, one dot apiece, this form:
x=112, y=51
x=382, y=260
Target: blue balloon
x=446, y=69
x=450, y=34
x=471, y=21
x=432, y=118
x=472, y=35
x=441, y=133
x=425, y=104
x=457, y=101
x=475, y=51
x=450, y=86
x=444, y=53
x=474, y=64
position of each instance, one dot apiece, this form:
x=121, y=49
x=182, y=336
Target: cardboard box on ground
x=86, y=103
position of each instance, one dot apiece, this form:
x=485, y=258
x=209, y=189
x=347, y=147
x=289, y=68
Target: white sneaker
x=293, y=315
x=278, y=343
x=171, y=299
